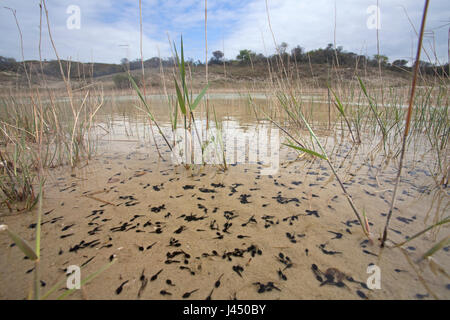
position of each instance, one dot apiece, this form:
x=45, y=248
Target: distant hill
x=317, y=66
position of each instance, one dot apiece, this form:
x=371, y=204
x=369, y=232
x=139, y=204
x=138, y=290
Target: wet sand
x=224, y=235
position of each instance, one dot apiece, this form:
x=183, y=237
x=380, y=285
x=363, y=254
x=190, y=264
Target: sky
x=108, y=30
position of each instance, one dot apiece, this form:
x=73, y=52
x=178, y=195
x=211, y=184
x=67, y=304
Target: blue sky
x=107, y=25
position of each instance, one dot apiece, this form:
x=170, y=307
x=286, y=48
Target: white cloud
x=311, y=25
x=103, y=29
x=106, y=24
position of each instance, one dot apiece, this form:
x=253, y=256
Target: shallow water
x=242, y=225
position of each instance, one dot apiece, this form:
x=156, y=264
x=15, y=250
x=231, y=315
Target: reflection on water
x=238, y=139
x=228, y=144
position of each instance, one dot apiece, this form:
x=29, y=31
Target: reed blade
x=21, y=243
x=311, y=152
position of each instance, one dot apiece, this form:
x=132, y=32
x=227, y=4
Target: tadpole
x=188, y=294
x=217, y=284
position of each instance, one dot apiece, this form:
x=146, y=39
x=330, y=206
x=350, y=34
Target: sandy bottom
x=224, y=235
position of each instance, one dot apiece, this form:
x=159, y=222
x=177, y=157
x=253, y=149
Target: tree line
x=329, y=55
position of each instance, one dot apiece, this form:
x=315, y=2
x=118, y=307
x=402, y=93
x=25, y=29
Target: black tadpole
x=217, y=284
x=170, y=283
x=188, y=294
x=238, y=269
x=338, y=235
x=120, y=288
x=210, y=295
x=165, y=293
x=144, y=282
x=153, y=278
x=282, y=275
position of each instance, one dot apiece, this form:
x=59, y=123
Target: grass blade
x=446, y=220
x=136, y=88
x=199, y=97
x=372, y=107
x=438, y=246
x=21, y=243
x=180, y=98
x=182, y=65
x=313, y=153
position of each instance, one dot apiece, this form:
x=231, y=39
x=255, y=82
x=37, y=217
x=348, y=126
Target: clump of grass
x=376, y=113
x=184, y=103
x=17, y=180
x=292, y=108
x=41, y=130
x=341, y=110
x=184, y=99
x=148, y=111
